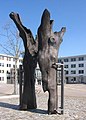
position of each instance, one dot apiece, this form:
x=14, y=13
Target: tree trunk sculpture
x=48, y=46
x=29, y=64
x=45, y=51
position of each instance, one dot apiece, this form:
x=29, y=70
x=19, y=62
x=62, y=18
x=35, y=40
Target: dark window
x=74, y=79
x=66, y=66
x=8, y=77
x=7, y=65
x=59, y=60
x=81, y=65
x=8, y=72
x=66, y=72
x=13, y=66
x=81, y=71
x=20, y=61
x=81, y=58
x=1, y=78
x=73, y=72
x=2, y=64
x=73, y=65
x=73, y=59
x=66, y=60
x=2, y=71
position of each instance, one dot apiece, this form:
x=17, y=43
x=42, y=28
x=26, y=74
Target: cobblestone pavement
x=6, y=89
x=74, y=104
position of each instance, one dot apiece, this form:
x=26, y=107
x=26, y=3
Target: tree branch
x=25, y=34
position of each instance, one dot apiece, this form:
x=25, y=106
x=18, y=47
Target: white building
x=6, y=64
x=75, y=68
x=38, y=75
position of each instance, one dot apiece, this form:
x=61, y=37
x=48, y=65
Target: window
x=66, y=60
x=2, y=64
x=81, y=71
x=1, y=78
x=73, y=72
x=81, y=58
x=8, y=72
x=73, y=59
x=8, y=77
x=66, y=66
x=73, y=65
x=13, y=59
x=2, y=71
x=67, y=72
x=13, y=66
x=81, y=65
x=74, y=79
x=8, y=58
x=59, y=60
x=20, y=61
x=8, y=65
x=1, y=57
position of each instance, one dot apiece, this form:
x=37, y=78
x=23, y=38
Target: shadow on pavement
x=40, y=111
x=8, y=105
x=16, y=107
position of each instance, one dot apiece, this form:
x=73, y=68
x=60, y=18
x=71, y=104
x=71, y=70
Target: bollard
x=56, y=89
x=62, y=89
x=60, y=67
x=20, y=84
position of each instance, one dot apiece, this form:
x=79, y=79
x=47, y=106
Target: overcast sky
x=68, y=13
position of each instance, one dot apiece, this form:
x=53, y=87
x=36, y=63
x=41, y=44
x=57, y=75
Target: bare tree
x=12, y=45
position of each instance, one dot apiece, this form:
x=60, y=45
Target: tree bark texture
x=48, y=47
x=29, y=64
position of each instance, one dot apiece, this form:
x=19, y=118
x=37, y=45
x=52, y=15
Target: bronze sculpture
x=48, y=46
x=29, y=63
x=45, y=51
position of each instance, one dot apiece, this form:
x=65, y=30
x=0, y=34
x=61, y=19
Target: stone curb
x=9, y=96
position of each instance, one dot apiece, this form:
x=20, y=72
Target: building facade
x=7, y=63
x=75, y=68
